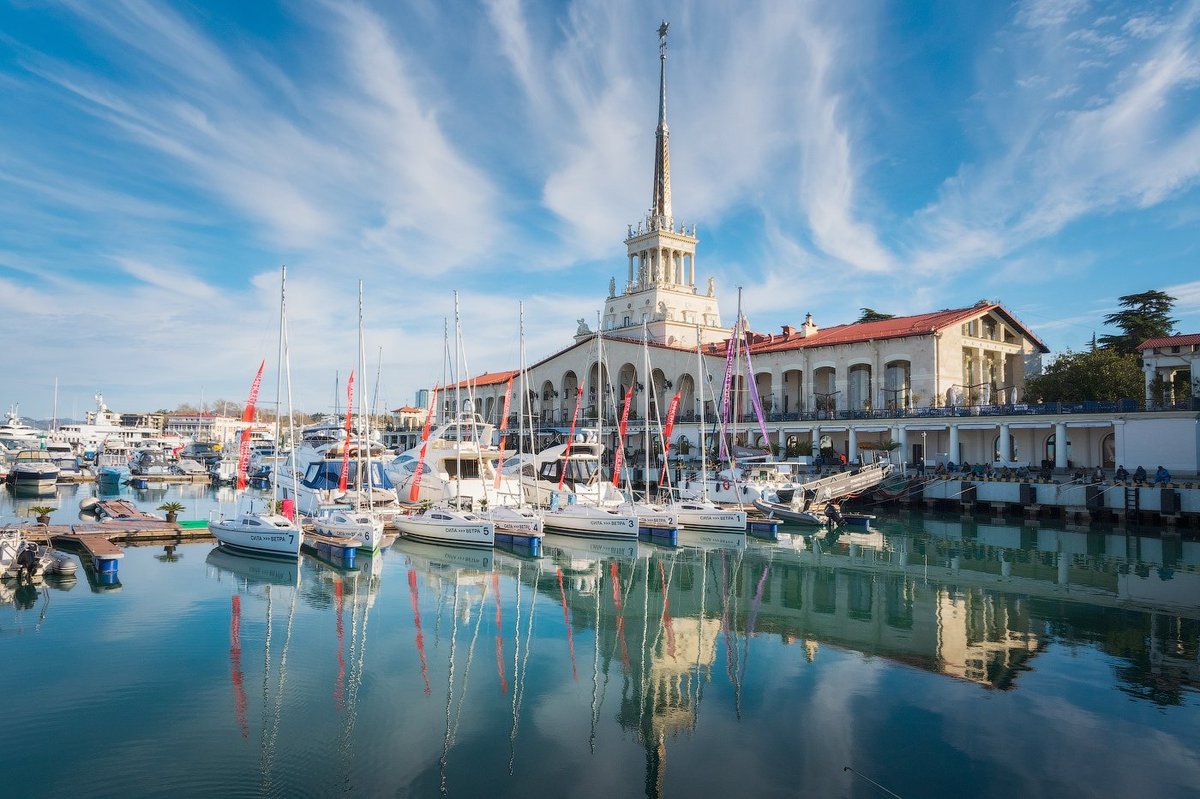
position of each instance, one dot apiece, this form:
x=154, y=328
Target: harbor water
x=934, y=656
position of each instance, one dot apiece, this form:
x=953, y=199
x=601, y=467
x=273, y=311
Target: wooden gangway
x=845, y=484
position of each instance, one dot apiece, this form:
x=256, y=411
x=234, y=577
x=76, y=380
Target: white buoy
x=88, y=504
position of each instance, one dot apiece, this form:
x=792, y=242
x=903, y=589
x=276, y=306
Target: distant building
x=1164, y=361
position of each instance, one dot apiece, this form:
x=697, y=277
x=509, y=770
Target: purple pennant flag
x=731, y=350
x=758, y=409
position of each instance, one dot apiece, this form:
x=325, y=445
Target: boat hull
x=789, y=514
x=460, y=534
x=278, y=542
x=613, y=526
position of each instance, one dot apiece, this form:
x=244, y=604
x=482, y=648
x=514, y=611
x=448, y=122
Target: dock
x=524, y=539
x=340, y=552
x=97, y=546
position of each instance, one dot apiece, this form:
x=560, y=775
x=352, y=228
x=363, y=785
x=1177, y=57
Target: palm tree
x=172, y=509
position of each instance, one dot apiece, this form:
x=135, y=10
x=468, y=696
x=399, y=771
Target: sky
x=160, y=162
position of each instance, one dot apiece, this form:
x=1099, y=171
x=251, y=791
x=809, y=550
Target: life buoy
x=725, y=485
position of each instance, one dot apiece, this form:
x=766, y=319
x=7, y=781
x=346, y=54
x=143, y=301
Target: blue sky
x=158, y=162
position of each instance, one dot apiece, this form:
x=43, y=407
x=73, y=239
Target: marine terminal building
x=946, y=385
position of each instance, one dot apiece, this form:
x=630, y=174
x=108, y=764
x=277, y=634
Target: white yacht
x=318, y=459
x=459, y=467
x=259, y=534
x=33, y=470
x=445, y=525
x=107, y=430
x=361, y=526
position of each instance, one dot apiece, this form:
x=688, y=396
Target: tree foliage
x=1103, y=374
x=1146, y=315
x=872, y=315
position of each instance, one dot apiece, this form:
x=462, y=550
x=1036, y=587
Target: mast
x=457, y=409
x=278, y=384
x=287, y=362
x=646, y=405
x=521, y=412
x=364, y=416
x=700, y=395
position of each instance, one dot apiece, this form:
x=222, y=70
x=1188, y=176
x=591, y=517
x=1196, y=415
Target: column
x=852, y=446
x=1119, y=441
x=1003, y=445
x=692, y=265
x=953, y=449
x=902, y=438
x=1060, y=445
x=630, y=283
x=777, y=389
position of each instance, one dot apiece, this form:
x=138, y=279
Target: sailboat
x=701, y=513
x=445, y=523
x=266, y=532
x=358, y=523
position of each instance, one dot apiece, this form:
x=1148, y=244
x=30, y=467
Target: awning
x=1030, y=425
x=993, y=426
x=925, y=428
x=1089, y=424
x=871, y=429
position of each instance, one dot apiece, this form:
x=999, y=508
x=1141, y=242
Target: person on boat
x=1139, y=474
x=1162, y=476
x=1121, y=476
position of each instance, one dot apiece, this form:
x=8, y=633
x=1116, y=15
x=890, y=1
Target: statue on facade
x=663, y=313
x=711, y=287
x=612, y=287
x=583, y=328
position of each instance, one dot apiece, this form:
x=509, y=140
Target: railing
x=1016, y=409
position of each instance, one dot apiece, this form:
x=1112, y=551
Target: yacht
x=445, y=525
x=458, y=465
x=319, y=458
x=269, y=534
x=361, y=526
x=107, y=430
x=33, y=470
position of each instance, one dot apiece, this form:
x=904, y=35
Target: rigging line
x=595, y=661
x=470, y=657
x=266, y=686
x=449, y=689
x=520, y=683
x=512, y=734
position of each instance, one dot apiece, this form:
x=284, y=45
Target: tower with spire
x=660, y=288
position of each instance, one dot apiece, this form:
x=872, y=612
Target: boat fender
x=725, y=484
x=745, y=490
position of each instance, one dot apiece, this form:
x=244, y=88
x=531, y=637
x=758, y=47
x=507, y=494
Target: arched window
x=1051, y=444
x=1012, y=448
x=1108, y=451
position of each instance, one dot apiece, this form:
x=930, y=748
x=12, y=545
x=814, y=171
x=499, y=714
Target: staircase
x=844, y=484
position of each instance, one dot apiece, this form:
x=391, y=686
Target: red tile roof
x=409, y=409
x=1170, y=341
x=484, y=379
x=899, y=327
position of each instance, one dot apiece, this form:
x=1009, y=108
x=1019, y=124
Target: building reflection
x=968, y=601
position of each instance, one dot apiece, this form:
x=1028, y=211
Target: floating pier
x=532, y=542
x=341, y=552
x=668, y=536
x=105, y=555
x=762, y=527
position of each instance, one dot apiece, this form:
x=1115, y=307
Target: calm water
x=936, y=657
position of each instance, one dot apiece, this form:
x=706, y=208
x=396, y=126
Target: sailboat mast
x=738, y=377
x=364, y=416
x=646, y=405
x=278, y=384
x=457, y=408
x=700, y=394
x=521, y=410
x=287, y=363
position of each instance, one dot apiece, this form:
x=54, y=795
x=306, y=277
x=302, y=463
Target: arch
x=566, y=398
x=1013, y=454
x=1051, y=445
x=792, y=392
x=824, y=388
x=858, y=387
x=1108, y=451
x=685, y=384
x=766, y=392
x=490, y=410
x=897, y=384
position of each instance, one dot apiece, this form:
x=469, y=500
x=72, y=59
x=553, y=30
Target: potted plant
x=172, y=509
x=42, y=512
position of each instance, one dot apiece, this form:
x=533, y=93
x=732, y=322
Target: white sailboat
x=267, y=532
x=447, y=523
x=701, y=513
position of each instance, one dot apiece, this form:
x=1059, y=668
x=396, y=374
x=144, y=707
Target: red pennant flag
x=571, y=438
x=247, y=417
x=346, y=446
x=414, y=488
x=620, y=456
x=503, y=428
x=671, y=411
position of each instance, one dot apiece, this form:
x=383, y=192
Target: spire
x=660, y=209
